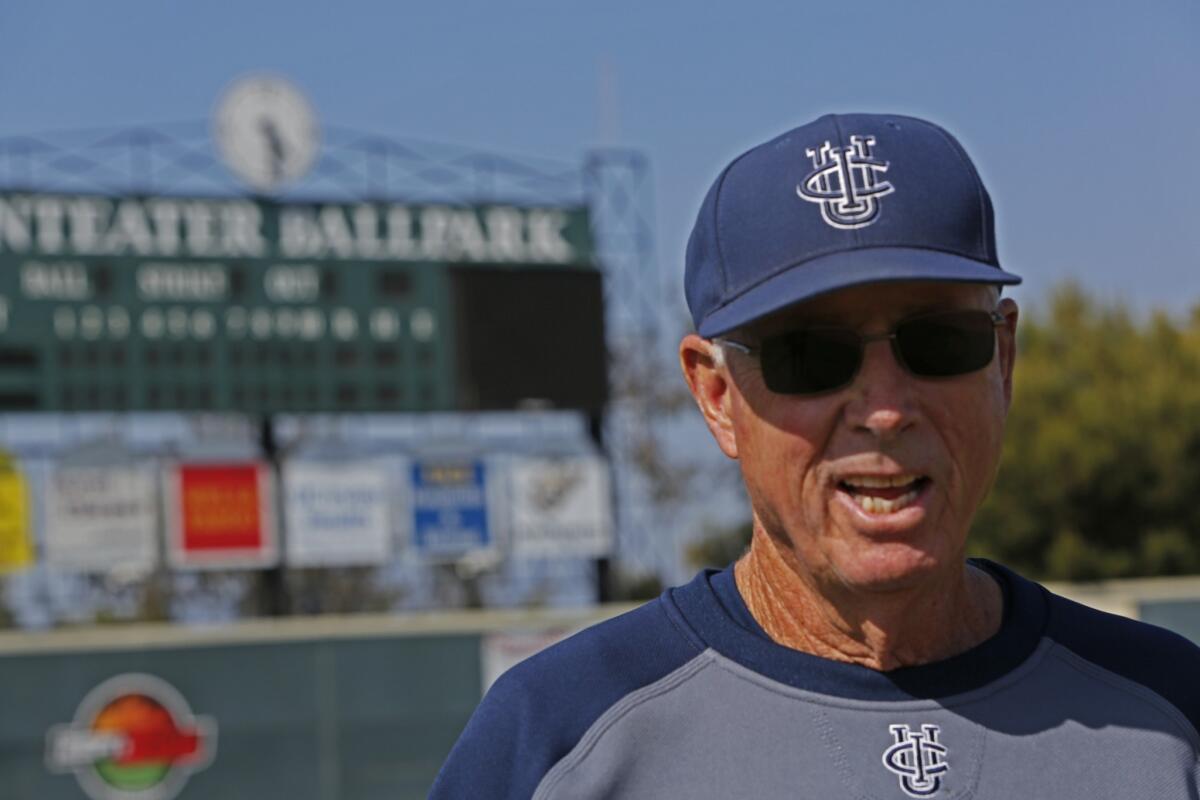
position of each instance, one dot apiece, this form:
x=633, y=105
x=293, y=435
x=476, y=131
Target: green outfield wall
x=325, y=708
x=304, y=709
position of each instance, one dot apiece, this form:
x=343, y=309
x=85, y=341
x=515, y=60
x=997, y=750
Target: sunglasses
x=940, y=344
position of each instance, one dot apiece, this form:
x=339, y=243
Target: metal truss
x=179, y=159
x=621, y=200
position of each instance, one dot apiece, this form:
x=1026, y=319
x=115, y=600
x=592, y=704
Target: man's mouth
x=884, y=494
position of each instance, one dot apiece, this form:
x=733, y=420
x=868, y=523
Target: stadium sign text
x=165, y=227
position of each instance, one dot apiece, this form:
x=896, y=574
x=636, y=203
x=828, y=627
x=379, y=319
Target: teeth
x=878, y=505
x=881, y=481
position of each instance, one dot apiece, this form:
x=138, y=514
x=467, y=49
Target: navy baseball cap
x=845, y=200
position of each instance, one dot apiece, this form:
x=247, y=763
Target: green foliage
x=719, y=546
x=635, y=586
x=1101, y=467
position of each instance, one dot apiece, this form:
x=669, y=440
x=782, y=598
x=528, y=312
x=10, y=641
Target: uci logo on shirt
x=917, y=759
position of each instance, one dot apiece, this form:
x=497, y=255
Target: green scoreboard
x=167, y=303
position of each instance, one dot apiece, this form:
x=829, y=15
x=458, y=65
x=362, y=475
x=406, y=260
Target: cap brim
x=842, y=270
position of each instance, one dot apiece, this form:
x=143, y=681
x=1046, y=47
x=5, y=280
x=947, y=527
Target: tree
x=719, y=546
x=1101, y=464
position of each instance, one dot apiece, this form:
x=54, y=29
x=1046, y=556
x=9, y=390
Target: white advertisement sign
x=102, y=518
x=337, y=514
x=561, y=507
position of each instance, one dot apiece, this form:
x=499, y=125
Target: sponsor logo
x=550, y=488
x=844, y=182
x=133, y=738
x=917, y=759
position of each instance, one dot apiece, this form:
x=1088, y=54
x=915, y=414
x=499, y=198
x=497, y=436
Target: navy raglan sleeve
x=539, y=710
x=500, y=753
x=1162, y=661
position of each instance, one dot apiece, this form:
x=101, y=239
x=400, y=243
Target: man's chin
x=886, y=567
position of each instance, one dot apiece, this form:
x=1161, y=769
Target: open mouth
x=884, y=494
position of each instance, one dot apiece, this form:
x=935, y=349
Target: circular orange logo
x=134, y=738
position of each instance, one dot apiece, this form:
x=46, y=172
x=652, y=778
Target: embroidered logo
x=917, y=759
x=844, y=182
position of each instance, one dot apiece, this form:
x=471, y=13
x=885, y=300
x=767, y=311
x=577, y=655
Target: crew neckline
x=713, y=608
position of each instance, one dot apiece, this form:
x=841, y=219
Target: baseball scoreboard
x=145, y=303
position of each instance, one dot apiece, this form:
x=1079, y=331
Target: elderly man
x=853, y=354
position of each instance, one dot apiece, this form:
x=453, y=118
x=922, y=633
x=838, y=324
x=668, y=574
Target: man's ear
x=712, y=386
x=1008, y=344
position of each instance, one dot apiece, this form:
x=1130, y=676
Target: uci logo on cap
x=843, y=182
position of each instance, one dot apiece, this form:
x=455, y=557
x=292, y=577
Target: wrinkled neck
x=935, y=620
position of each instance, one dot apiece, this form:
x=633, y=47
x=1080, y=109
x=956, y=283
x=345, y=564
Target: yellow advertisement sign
x=16, y=545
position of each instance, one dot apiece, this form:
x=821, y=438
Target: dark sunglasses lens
x=812, y=361
x=953, y=343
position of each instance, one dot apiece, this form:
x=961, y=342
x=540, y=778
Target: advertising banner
x=337, y=514
x=450, y=508
x=16, y=540
x=561, y=507
x=101, y=518
x=220, y=516
x=133, y=737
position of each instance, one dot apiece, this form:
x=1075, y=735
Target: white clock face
x=266, y=132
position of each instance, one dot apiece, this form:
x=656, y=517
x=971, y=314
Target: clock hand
x=275, y=147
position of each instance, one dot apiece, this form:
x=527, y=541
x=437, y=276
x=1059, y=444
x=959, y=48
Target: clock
x=266, y=132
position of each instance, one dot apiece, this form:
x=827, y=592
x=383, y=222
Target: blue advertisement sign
x=450, y=509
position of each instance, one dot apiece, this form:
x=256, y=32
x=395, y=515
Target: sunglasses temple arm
x=735, y=345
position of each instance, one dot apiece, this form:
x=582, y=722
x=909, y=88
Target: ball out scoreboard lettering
x=149, y=303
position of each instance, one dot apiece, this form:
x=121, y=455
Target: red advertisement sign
x=222, y=516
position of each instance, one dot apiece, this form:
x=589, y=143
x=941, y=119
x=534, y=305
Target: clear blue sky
x=1083, y=117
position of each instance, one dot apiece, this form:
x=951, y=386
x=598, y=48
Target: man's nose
x=882, y=401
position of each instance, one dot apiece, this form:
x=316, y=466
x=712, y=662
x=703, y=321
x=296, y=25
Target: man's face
x=810, y=463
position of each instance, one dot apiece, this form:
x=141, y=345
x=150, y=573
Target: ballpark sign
x=102, y=518
x=337, y=514
x=561, y=507
x=221, y=516
x=450, y=508
x=133, y=738
x=53, y=226
x=16, y=536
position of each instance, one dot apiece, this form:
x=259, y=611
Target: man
x=853, y=354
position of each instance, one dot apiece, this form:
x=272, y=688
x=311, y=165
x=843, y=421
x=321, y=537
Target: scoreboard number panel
x=180, y=304
x=530, y=338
